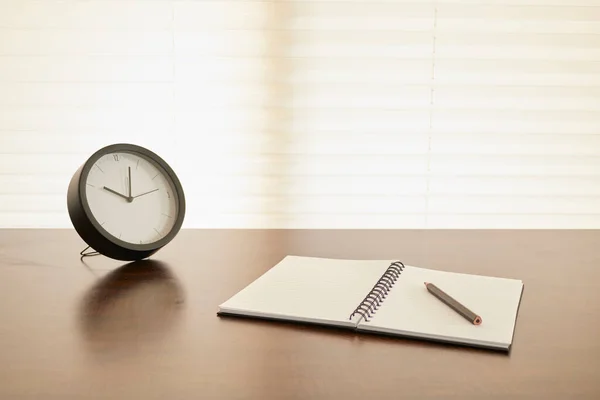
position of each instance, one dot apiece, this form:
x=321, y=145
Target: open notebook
x=382, y=296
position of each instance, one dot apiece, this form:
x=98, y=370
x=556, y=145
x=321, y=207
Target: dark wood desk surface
x=150, y=331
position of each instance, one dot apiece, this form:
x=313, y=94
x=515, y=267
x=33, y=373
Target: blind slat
x=85, y=15
x=89, y=69
x=81, y=42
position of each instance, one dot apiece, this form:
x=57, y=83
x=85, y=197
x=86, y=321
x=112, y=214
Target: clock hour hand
x=148, y=192
x=118, y=194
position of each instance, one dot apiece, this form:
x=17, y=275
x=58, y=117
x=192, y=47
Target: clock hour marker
x=89, y=184
x=156, y=175
x=103, y=223
x=168, y=216
x=157, y=232
x=137, y=164
x=97, y=166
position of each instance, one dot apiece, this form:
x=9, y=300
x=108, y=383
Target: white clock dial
x=144, y=215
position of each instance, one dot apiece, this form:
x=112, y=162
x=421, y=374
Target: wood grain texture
x=149, y=330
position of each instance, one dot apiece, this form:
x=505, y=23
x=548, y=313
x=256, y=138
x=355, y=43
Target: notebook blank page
x=410, y=308
x=309, y=289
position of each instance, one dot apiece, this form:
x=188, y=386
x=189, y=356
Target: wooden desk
x=69, y=332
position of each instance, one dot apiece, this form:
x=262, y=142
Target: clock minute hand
x=129, y=170
x=148, y=192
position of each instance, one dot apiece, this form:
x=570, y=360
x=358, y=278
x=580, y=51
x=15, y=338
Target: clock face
x=131, y=197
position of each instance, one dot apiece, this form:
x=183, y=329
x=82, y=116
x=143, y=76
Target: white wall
x=422, y=114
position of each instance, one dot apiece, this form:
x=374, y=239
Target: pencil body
x=453, y=304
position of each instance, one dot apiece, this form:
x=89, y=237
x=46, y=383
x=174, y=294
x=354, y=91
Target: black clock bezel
x=88, y=227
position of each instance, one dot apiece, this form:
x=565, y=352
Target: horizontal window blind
x=480, y=114
x=311, y=114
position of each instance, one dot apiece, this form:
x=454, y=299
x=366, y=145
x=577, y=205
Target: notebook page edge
x=440, y=338
x=466, y=274
x=224, y=311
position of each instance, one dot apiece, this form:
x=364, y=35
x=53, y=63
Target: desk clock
x=125, y=202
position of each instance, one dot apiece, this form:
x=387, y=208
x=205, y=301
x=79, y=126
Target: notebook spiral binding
x=369, y=305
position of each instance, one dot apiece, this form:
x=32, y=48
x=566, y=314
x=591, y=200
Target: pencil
x=453, y=304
